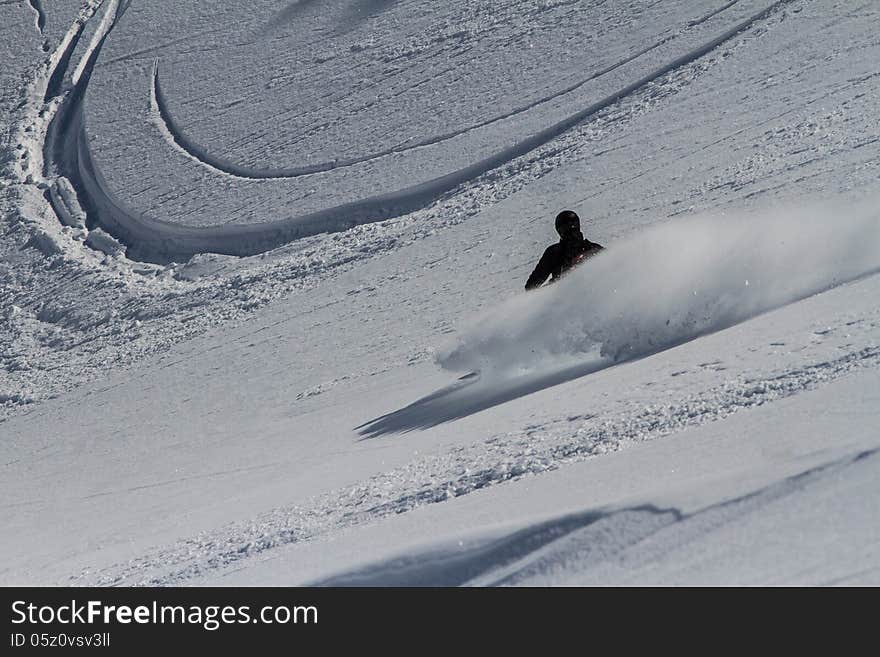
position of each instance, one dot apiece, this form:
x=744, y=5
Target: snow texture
x=237, y=240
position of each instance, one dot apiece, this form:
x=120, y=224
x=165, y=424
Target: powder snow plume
x=670, y=284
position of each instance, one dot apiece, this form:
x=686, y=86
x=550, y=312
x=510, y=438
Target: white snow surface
x=248, y=249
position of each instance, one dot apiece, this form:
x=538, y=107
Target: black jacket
x=559, y=258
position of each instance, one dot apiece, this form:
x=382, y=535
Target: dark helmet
x=566, y=221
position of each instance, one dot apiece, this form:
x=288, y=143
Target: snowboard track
x=219, y=165
x=154, y=240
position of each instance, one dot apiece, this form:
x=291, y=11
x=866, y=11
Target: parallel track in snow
x=152, y=239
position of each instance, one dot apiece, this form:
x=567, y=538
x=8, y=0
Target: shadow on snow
x=471, y=394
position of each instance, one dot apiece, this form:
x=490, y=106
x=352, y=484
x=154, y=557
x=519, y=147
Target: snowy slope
x=280, y=418
x=722, y=504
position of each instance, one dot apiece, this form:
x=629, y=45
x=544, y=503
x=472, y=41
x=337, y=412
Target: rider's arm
x=543, y=270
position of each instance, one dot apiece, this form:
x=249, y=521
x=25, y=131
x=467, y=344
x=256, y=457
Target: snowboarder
x=570, y=250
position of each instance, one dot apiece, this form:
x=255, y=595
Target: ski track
x=40, y=19
x=152, y=49
x=220, y=165
x=60, y=65
x=65, y=149
x=294, y=524
x=502, y=458
x=157, y=241
x=712, y=14
x=297, y=266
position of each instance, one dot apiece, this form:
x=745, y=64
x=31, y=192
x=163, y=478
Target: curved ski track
x=158, y=241
x=223, y=166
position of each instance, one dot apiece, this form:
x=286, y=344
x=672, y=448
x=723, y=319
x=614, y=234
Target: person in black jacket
x=570, y=250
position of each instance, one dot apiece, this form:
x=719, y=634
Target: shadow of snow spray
x=670, y=284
